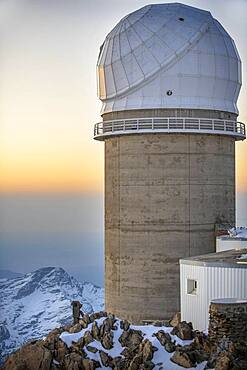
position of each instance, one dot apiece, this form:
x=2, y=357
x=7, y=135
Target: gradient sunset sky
x=48, y=101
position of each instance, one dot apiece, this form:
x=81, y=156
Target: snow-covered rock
x=34, y=304
x=238, y=232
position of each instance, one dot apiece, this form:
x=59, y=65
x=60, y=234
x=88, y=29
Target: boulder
x=29, y=357
x=92, y=349
x=182, y=359
x=223, y=362
x=136, y=362
x=147, y=365
x=147, y=350
x=107, y=340
x=131, y=338
x=124, y=325
x=90, y=364
x=75, y=328
x=73, y=361
x=165, y=340
x=95, y=331
x=88, y=338
x=107, y=325
x=129, y=353
x=105, y=358
x=61, y=351
x=97, y=315
x=176, y=319
x=183, y=330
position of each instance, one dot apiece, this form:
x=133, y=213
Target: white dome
x=169, y=56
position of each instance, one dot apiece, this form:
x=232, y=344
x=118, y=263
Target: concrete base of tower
x=164, y=193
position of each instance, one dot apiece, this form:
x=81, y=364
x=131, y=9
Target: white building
x=211, y=276
x=237, y=239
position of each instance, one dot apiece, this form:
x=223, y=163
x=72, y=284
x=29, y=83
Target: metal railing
x=169, y=124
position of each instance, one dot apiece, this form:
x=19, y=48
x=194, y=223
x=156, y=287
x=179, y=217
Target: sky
x=51, y=169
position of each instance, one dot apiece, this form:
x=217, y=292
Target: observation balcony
x=183, y=125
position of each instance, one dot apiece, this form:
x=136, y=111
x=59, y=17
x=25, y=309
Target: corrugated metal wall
x=212, y=283
x=224, y=244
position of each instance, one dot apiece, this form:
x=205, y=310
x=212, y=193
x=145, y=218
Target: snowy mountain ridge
x=34, y=304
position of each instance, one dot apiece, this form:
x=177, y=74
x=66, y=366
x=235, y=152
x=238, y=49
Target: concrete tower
x=169, y=77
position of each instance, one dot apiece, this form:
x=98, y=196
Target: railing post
x=137, y=124
x=124, y=125
x=224, y=125
x=152, y=123
x=112, y=126
x=199, y=124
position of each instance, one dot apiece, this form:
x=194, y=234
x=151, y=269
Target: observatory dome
x=169, y=56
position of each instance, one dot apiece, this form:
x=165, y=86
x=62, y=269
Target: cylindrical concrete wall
x=163, y=195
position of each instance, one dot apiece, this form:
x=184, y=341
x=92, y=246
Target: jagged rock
x=182, y=359
x=88, y=338
x=124, y=325
x=97, y=315
x=130, y=338
x=108, y=325
x=81, y=342
x=29, y=357
x=183, y=330
x=136, y=362
x=95, y=331
x=165, y=340
x=92, y=349
x=105, y=358
x=169, y=347
x=223, y=362
x=90, y=364
x=61, y=351
x=147, y=350
x=129, y=353
x=73, y=361
x=147, y=365
x=118, y=363
x=175, y=320
x=85, y=321
x=75, y=328
x=107, y=340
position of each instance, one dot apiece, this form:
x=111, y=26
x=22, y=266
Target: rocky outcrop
x=93, y=340
x=29, y=357
x=183, y=330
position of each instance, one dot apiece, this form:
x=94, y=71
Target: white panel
x=145, y=60
x=116, y=49
x=119, y=76
x=132, y=69
x=133, y=38
x=222, y=67
x=189, y=64
x=207, y=65
x=213, y=283
x=158, y=49
x=124, y=44
x=143, y=32
x=219, y=45
x=110, y=87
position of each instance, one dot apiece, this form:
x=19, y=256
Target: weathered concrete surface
x=163, y=195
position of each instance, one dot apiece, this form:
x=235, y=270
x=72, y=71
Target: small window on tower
x=191, y=286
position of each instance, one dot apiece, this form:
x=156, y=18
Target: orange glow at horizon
x=48, y=102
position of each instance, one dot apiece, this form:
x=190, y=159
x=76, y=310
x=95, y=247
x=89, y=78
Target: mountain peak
x=39, y=301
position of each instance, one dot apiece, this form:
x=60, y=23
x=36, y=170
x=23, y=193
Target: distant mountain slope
x=32, y=305
x=7, y=274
